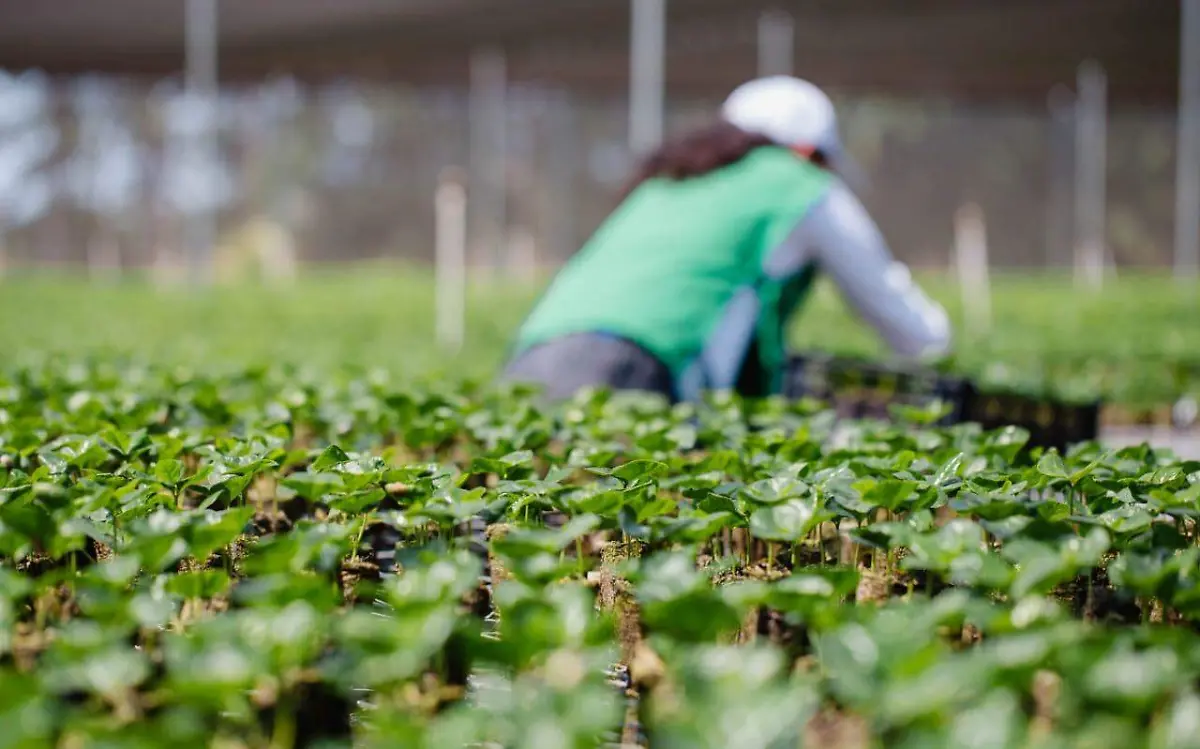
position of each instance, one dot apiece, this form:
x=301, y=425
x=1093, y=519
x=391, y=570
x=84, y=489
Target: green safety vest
x=662, y=268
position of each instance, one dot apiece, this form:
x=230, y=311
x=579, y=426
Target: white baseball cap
x=794, y=113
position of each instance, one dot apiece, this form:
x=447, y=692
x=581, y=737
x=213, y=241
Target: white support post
x=489, y=154
x=201, y=32
x=1187, y=167
x=450, y=209
x=971, y=262
x=776, y=43
x=1091, y=172
x=647, y=73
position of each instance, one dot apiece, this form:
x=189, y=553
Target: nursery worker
x=689, y=284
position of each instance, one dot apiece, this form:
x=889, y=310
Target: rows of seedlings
x=268, y=560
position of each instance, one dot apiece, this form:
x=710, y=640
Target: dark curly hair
x=701, y=151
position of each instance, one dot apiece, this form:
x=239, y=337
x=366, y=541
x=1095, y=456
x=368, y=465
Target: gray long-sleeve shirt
x=839, y=236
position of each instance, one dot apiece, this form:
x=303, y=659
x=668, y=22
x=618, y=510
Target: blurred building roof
x=990, y=50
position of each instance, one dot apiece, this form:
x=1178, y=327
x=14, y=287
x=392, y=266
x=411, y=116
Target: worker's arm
x=841, y=238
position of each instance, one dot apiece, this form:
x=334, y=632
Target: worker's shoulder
x=781, y=166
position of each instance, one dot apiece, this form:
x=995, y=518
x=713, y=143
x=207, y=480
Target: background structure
x=133, y=132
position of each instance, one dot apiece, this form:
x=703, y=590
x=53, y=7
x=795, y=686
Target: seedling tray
x=1050, y=423
x=857, y=388
x=861, y=389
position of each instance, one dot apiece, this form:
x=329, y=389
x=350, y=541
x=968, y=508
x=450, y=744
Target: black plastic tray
x=857, y=388
x=1050, y=423
x=860, y=389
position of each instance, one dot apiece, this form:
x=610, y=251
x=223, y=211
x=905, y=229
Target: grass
x=1046, y=335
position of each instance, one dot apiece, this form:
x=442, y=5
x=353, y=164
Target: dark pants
x=565, y=365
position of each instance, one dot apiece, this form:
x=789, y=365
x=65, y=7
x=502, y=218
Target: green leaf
x=198, y=584
x=29, y=519
x=602, y=503
x=790, y=521
x=639, y=470
x=330, y=457
x=696, y=616
x=889, y=494
x=107, y=672
x=356, y=502
x=1131, y=678
x=691, y=529
x=314, y=487
x=525, y=541
x=169, y=472
x=1179, y=726
x=152, y=612
x=775, y=490
x=214, y=530
x=1051, y=464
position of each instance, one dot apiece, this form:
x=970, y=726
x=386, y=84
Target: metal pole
x=1187, y=165
x=1090, y=174
x=201, y=85
x=489, y=153
x=776, y=43
x=647, y=79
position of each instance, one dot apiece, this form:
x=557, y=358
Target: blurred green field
x=1136, y=342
